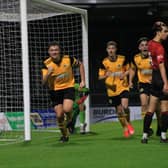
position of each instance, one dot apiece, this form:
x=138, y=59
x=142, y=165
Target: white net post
x=86, y=61
x=25, y=69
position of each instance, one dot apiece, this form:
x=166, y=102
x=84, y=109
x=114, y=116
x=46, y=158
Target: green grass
x=103, y=148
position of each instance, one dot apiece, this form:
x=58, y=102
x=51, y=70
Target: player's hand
x=82, y=84
x=131, y=85
x=122, y=76
x=50, y=70
x=150, y=79
x=107, y=74
x=165, y=88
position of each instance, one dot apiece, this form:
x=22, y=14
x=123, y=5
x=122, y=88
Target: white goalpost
x=26, y=29
x=25, y=69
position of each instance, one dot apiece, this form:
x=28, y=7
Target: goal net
x=46, y=21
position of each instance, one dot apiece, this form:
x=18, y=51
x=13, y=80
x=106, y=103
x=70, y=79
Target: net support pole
x=86, y=64
x=25, y=69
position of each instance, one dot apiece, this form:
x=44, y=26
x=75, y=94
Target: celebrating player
x=159, y=89
x=79, y=107
x=142, y=63
x=57, y=73
x=114, y=71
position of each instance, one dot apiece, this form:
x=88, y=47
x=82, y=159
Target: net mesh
x=45, y=24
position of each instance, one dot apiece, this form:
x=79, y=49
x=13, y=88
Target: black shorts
x=116, y=100
x=157, y=86
x=57, y=97
x=144, y=88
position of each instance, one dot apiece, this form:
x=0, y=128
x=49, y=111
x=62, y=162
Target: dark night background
x=124, y=21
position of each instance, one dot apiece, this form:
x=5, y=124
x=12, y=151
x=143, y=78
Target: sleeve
x=132, y=63
x=74, y=61
x=160, y=52
x=126, y=64
x=102, y=69
x=44, y=70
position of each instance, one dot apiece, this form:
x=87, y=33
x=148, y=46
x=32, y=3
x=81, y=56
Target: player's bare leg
x=123, y=120
x=144, y=104
x=125, y=108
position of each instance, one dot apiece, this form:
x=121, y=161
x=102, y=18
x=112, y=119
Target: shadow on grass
x=132, y=138
x=68, y=144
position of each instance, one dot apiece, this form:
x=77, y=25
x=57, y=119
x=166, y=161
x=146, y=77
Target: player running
x=114, y=71
x=57, y=73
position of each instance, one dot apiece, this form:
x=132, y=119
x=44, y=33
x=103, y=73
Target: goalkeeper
x=79, y=108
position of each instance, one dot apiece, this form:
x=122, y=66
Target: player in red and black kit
x=159, y=91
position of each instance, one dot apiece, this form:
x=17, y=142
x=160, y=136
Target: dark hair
x=111, y=43
x=157, y=26
x=142, y=39
x=54, y=43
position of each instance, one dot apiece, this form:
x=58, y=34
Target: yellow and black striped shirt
x=144, y=68
x=62, y=76
x=116, y=68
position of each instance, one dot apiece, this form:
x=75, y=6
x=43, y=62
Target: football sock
x=82, y=117
x=68, y=116
x=75, y=114
x=164, y=120
x=127, y=112
x=143, y=114
x=62, y=126
x=163, y=135
x=147, y=122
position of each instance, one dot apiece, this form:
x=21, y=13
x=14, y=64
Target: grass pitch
x=104, y=147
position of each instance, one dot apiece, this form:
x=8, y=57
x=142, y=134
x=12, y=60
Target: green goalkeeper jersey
x=80, y=92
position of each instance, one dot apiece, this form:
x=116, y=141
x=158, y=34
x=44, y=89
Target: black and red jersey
x=157, y=53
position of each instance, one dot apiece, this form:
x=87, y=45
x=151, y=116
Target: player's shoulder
x=121, y=56
x=154, y=44
x=105, y=59
x=47, y=60
x=137, y=56
x=66, y=56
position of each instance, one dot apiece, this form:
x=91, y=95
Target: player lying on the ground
x=57, y=73
x=142, y=66
x=79, y=108
x=114, y=70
